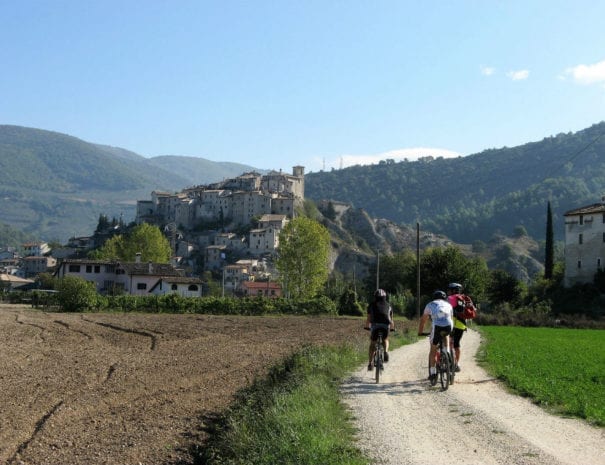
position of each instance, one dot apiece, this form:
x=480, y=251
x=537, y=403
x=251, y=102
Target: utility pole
x=378, y=269
x=418, y=268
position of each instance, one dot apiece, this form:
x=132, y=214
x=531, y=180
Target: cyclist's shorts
x=437, y=333
x=384, y=329
x=457, y=334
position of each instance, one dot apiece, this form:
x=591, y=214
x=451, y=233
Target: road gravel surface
x=404, y=421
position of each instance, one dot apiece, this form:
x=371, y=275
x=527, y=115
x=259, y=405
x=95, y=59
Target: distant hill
x=471, y=198
x=54, y=186
x=199, y=171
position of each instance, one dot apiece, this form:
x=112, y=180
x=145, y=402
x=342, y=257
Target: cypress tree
x=549, y=255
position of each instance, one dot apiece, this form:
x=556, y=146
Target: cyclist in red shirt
x=454, y=297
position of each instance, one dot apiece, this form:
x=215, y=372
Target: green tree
x=103, y=223
x=348, y=304
x=145, y=239
x=519, y=231
x=549, y=247
x=304, y=246
x=396, y=273
x=503, y=287
x=330, y=212
x=440, y=266
x=76, y=294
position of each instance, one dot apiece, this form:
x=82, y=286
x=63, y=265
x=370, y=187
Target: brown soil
x=132, y=388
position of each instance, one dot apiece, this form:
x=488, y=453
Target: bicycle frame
x=378, y=356
x=445, y=361
x=445, y=365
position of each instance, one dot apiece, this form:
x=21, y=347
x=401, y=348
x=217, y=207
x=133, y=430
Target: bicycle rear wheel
x=452, y=367
x=378, y=363
x=444, y=371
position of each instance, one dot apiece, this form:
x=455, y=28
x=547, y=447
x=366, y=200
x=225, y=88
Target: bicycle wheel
x=378, y=362
x=444, y=371
x=452, y=367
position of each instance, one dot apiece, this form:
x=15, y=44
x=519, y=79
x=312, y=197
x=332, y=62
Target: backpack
x=465, y=310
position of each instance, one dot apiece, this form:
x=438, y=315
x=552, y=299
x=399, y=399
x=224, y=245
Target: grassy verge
x=562, y=369
x=295, y=415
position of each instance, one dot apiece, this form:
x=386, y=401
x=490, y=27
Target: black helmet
x=454, y=287
x=380, y=294
x=439, y=295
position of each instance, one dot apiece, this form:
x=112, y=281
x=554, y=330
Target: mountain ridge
x=56, y=186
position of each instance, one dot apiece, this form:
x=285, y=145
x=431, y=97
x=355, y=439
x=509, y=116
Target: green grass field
x=561, y=369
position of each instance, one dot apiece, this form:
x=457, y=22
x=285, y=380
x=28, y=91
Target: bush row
x=173, y=303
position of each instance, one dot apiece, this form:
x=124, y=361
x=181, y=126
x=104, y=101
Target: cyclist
x=379, y=319
x=454, y=297
x=440, y=312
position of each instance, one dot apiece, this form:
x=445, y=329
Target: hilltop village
x=232, y=224
x=229, y=228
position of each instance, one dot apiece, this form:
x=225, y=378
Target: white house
x=35, y=248
x=183, y=286
x=133, y=278
x=584, y=243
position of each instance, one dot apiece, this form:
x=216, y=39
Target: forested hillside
x=469, y=198
x=55, y=186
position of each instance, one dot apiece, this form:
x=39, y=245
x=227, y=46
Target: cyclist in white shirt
x=440, y=311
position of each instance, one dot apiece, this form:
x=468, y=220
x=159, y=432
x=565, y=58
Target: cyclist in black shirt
x=380, y=318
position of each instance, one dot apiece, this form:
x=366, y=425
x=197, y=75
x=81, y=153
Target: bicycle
x=444, y=363
x=378, y=355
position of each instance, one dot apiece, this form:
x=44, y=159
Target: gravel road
x=405, y=421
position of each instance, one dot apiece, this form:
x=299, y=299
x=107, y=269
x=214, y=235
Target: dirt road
x=404, y=421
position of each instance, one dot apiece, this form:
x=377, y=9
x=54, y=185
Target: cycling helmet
x=439, y=295
x=380, y=294
x=455, y=287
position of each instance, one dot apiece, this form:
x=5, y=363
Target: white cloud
x=411, y=154
x=519, y=75
x=487, y=70
x=587, y=74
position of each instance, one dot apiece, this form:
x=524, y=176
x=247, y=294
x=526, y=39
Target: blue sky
x=322, y=84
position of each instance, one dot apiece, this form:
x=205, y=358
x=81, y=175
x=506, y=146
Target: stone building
x=584, y=243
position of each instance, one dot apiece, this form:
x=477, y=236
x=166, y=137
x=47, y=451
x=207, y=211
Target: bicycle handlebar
x=390, y=329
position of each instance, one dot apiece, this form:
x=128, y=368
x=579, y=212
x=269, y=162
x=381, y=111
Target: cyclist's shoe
x=457, y=368
x=386, y=357
x=433, y=378
x=370, y=366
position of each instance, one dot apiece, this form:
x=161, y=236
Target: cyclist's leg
x=385, y=339
x=457, y=336
x=372, y=349
x=433, y=352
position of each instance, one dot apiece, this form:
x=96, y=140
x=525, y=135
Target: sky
x=320, y=83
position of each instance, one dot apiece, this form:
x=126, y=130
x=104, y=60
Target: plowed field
x=132, y=388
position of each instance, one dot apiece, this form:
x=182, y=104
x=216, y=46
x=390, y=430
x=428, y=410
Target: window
x=580, y=238
x=74, y=268
x=579, y=264
x=193, y=287
x=599, y=263
x=97, y=269
x=141, y=286
x=89, y=268
x=581, y=219
x=174, y=287
x=604, y=237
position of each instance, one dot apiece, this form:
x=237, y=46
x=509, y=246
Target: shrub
x=76, y=295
